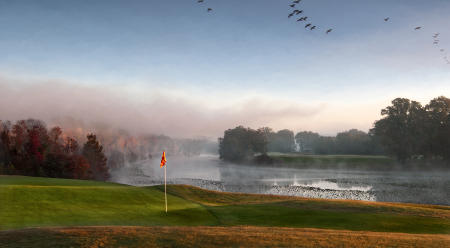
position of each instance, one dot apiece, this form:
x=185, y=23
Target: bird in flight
x=297, y=1
x=209, y=9
x=292, y=5
x=290, y=15
x=298, y=11
x=301, y=19
x=417, y=28
x=307, y=25
x=329, y=30
x=313, y=27
x=436, y=35
x=386, y=19
x=200, y=1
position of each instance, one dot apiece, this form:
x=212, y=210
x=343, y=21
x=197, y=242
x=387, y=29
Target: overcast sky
x=171, y=67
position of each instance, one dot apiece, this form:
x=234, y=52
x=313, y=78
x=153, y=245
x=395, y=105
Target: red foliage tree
x=93, y=152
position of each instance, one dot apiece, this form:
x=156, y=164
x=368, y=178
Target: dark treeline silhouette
x=407, y=131
x=29, y=148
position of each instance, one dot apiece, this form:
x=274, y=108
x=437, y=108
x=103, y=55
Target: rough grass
x=37, y=202
x=238, y=236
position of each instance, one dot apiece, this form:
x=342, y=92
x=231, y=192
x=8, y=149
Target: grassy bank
x=37, y=202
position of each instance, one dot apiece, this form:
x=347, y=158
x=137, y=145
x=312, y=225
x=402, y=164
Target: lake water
x=429, y=187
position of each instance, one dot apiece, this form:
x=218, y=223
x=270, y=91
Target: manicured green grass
x=33, y=202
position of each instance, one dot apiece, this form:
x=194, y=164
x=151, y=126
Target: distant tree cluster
x=242, y=143
x=29, y=148
x=409, y=130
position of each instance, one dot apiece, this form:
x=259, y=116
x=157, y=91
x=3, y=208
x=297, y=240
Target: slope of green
x=32, y=202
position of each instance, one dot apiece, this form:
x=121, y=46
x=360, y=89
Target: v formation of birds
x=310, y=26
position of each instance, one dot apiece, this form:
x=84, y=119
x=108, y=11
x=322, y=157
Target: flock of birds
x=208, y=9
x=299, y=15
x=435, y=42
x=442, y=50
x=303, y=18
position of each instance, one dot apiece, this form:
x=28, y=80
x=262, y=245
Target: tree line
x=242, y=143
x=28, y=148
x=407, y=131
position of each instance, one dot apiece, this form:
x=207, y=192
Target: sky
x=154, y=66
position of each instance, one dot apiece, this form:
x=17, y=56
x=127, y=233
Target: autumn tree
x=93, y=152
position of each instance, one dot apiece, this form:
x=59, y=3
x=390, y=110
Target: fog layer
x=157, y=111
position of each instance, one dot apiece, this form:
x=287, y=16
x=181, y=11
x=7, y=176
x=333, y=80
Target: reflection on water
x=208, y=172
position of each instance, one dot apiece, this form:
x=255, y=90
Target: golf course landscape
x=37, y=212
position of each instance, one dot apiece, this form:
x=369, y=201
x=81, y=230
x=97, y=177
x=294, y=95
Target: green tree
x=353, y=142
x=282, y=141
x=241, y=144
x=438, y=127
x=402, y=128
x=325, y=145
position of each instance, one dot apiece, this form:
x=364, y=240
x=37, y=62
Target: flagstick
x=165, y=187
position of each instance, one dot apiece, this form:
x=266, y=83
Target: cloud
x=59, y=102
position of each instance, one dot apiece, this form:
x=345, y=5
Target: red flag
x=163, y=159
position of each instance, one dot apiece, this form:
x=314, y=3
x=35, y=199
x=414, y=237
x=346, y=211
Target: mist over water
x=207, y=171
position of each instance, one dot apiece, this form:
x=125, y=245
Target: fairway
x=42, y=202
